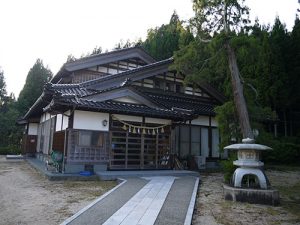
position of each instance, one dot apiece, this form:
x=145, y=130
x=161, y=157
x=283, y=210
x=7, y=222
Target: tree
x=123, y=44
x=2, y=88
x=9, y=133
x=37, y=77
x=222, y=20
x=161, y=42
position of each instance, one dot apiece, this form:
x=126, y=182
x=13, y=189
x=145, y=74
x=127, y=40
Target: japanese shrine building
x=122, y=110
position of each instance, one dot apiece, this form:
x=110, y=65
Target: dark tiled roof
x=103, y=58
x=68, y=89
x=166, y=100
x=125, y=74
x=198, y=105
x=117, y=107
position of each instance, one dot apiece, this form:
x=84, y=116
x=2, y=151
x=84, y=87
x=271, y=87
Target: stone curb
x=70, y=219
x=189, y=213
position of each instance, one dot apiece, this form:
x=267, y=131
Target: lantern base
x=253, y=196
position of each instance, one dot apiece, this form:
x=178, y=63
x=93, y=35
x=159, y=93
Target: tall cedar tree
x=37, y=77
x=9, y=133
x=2, y=87
x=162, y=41
x=222, y=19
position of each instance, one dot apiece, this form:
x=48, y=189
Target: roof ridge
x=112, y=76
x=109, y=53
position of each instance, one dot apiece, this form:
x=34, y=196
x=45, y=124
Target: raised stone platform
x=14, y=157
x=113, y=175
x=254, y=196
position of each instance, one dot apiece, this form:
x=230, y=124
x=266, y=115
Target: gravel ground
x=29, y=198
x=211, y=208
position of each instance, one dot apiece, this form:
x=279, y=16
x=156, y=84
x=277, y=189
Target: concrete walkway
x=143, y=201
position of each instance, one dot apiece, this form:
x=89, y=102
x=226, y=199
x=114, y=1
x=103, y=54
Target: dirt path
x=211, y=208
x=29, y=198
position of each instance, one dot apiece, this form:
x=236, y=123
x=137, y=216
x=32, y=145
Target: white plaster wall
x=90, y=120
x=58, y=122
x=214, y=122
x=65, y=121
x=158, y=121
x=129, y=118
x=33, y=129
x=112, y=71
x=42, y=119
x=201, y=120
x=45, y=116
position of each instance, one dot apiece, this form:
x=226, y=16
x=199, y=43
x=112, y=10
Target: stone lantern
x=249, y=164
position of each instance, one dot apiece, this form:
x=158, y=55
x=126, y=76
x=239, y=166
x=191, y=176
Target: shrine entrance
x=138, y=148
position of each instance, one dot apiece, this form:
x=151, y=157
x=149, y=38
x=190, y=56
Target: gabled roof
x=115, y=107
x=176, y=101
x=116, y=80
x=85, y=94
x=123, y=91
x=103, y=58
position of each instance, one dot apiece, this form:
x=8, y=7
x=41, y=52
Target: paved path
x=143, y=201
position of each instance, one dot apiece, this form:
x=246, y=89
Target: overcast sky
x=53, y=29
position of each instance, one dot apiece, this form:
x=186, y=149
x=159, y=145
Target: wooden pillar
x=210, y=138
x=126, y=150
x=156, y=151
x=142, y=146
x=190, y=137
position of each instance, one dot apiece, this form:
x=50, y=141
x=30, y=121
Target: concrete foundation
x=73, y=168
x=254, y=196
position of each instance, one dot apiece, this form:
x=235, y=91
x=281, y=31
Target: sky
x=53, y=29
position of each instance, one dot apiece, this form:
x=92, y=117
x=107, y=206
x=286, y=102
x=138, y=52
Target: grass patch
x=282, y=168
x=290, y=198
x=272, y=211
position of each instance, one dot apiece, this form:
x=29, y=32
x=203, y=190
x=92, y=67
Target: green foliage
x=228, y=167
x=37, y=77
x=2, y=87
x=216, y=16
x=10, y=150
x=285, y=150
x=9, y=133
x=161, y=42
x=122, y=44
x=228, y=124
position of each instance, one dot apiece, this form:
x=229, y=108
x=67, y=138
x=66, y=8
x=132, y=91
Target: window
x=204, y=142
x=90, y=138
x=215, y=142
x=196, y=140
x=184, y=141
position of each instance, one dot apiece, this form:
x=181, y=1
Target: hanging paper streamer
x=141, y=129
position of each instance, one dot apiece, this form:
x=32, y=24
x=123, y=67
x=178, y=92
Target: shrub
x=10, y=150
x=228, y=167
x=286, y=150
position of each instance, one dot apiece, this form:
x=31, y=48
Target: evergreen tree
x=2, y=88
x=37, y=77
x=9, y=132
x=161, y=42
x=221, y=21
